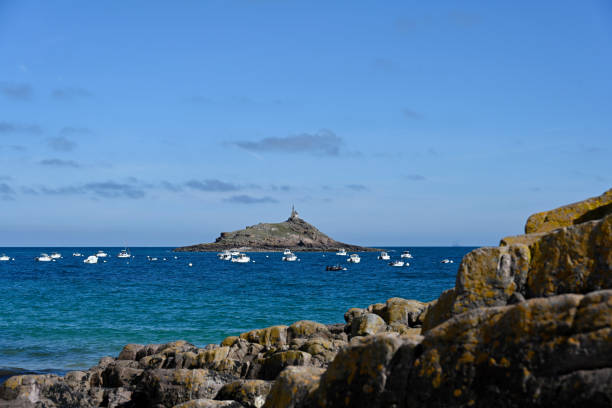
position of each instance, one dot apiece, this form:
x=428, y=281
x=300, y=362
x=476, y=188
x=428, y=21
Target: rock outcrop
x=294, y=234
x=528, y=324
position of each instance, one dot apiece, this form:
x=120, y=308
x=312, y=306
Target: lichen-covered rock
x=170, y=387
x=208, y=403
x=274, y=364
x=518, y=355
x=249, y=393
x=121, y=373
x=398, y=310
x=572, y=214
x=358, y=374
x=440, y=310
x=274, y=336
x=576, y=259
x=307, y=329
x=367, y=324
x=294, y=387
x=48, y=391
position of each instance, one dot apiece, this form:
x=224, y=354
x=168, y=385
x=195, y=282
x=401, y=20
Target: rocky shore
x=528, y=324
x=294, y=234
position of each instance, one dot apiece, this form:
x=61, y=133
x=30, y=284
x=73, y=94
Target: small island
x=294, y=234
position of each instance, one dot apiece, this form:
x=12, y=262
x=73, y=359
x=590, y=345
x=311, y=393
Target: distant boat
x=124, y=254
x=406, y=254
x=225, y=255
x=77, y=254
x=234, y=252
x=4, y=257
x=398, y=263
x=335, y=268
x=286, y=252
x=290, y=257
x=384, y=256
x=354, y=258
x=341, y=252
x=91, y=259
x=241, y=258
x=445, y=261
x=43, y=258
x=55, y=255
x=101, y=254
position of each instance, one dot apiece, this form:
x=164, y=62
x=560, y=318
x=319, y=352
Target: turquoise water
x=65, y=315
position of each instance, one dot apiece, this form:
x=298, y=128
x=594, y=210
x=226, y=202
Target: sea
x=65, y=315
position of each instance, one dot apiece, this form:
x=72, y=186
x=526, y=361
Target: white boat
x=55, y=255
x=124, y=254
x=290, y=257
x=406, y=254
x=151, y=258
x=4, y=257
x=101, y=254
x=77, y=254
x=91, y=259
x=234, y=252
x=241, y=258
x=445, y=261
x=341, y=252
x=287, y=252
x=384, y=256
x=354, y=258
x=43, y=258
x=398, y=263
x=225, y=255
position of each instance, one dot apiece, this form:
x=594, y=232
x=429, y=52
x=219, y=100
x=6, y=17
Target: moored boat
x=241, y=258
x=341, y=252
x=124, y=254
x=290, y=257
x=91, y=259
x=406, y=254
x=43, y=258
x=4, y=257
x=354, y=258
x=101, y=254
x=398, y=263
x=384, y=256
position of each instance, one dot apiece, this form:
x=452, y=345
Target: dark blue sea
x=65, y=315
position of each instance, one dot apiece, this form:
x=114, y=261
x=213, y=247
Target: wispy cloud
x=211, y=185
x=12, y=127
x=61, y=144
x=410, y=114
x=356, y=187
x=105, y=189
x=6, y=192
x=75, y=131
x=70, y=94
x=322, y=143
x=246, y=199
x=59, y=163
x=415, y=177
x=18, y=92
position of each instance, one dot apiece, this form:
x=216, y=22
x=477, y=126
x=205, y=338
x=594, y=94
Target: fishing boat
x=290, y=257
x=101, y=254
x=354, y=258
x=55, y=255
x=341, y=252
x=241, y=258
x=4, y=257
x=384, y=256
x=446, y=261
x=43, y=258
x=124, y=254
x=335, y=268
x=398, y=263
x=91, y=259
x=406, y=254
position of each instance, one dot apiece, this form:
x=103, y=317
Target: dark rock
x=249, y=393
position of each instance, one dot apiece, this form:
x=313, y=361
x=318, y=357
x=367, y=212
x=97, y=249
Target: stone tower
x=294, y=214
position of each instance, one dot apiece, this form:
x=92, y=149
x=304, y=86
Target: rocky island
x=528, y=324
x=294, y=234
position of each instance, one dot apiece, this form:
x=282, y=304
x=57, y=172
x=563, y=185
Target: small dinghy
x=335, y=268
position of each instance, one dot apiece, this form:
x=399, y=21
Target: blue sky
x=151, y=123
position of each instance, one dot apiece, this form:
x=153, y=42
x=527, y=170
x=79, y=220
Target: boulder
x=170, y=387
x=308, y=329
x=294, y=387
x=576, y=259
x=358, y=374
x=572, y=214
x=249, y=393
x=366, y=324
x=274, y=364
x=275, y=336
x=398, y=310
x=519, y=355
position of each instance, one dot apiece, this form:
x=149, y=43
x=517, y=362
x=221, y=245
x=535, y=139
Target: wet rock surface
x=528, y=324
